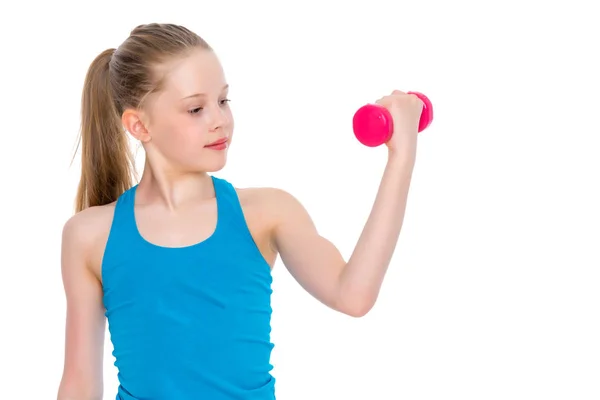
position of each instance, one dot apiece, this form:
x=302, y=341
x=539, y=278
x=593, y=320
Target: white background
x=494, y=290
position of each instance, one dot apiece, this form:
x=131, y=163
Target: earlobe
x=133, y=124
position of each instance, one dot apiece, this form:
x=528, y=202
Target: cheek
x=183, y=137
x=191, y=136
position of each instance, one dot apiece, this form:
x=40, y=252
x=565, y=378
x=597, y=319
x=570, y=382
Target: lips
x=217, y=142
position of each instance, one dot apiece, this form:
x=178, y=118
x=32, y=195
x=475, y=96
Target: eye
x=195, y=110
x=224, y=101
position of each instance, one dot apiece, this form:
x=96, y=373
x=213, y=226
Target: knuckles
x=399, y=99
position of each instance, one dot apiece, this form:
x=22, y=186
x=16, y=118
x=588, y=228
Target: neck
x=173, y=189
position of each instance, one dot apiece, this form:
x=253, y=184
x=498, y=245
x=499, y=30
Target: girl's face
x=188, y=125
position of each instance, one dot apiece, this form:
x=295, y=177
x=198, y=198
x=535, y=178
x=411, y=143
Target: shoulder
x=85, y=233
x=88, y=221
x=266, y=195
x=273, y=207
x=275, y=204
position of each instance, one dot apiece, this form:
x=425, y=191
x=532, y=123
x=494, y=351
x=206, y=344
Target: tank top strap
x=233, y=228
x=230, y=211
x=121, y=239
x=123, y=224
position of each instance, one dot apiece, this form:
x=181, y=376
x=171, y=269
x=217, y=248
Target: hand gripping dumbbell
x=373, y=124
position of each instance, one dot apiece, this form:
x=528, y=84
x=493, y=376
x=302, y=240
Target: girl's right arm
x=82, y=377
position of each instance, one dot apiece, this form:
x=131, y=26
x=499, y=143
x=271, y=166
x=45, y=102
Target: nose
x=218, y=118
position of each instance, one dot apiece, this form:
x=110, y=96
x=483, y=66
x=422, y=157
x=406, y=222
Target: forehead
x=201, y=71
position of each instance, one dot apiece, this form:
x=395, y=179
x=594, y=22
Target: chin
x=213, y=165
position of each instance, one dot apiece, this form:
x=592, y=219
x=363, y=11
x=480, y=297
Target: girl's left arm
x=349, y=287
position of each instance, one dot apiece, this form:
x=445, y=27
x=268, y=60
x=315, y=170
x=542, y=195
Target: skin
x=175, y=207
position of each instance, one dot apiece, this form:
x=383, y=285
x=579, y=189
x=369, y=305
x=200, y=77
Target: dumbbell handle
x=373, y=124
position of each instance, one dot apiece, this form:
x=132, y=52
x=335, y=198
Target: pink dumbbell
x=373, y=124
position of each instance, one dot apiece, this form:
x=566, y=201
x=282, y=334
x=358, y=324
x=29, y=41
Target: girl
x=180, y=264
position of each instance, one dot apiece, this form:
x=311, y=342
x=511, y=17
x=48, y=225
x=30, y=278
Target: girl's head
x=165, y=86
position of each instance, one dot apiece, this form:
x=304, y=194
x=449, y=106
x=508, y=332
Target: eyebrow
x=203, y=94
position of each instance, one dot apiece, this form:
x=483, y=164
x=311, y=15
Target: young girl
x=180, y=264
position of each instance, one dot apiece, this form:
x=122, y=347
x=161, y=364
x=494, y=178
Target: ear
x=132, y=121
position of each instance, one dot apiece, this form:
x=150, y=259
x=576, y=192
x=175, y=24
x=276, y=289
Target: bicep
x=311, y=259
x=85, y=320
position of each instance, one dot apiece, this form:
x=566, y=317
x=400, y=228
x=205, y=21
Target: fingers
x=392, y=98
x=389, y=99
x=413, y=97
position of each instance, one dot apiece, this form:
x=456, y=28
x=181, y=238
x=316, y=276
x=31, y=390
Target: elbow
x=356, y=300
x=357, y=306
x=71, y=389
x=77, y=395
x=358, y=313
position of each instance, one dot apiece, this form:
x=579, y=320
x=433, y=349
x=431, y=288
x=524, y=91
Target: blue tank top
x=189, y=323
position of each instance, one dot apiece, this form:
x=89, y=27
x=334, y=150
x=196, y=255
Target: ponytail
x=107, y=163
x=115, y=81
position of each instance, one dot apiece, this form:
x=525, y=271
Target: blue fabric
x=189, y=323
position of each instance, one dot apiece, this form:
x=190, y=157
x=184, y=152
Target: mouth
x=217, y=143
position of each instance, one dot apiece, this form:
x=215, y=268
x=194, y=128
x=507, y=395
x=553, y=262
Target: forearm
x=362, y=277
